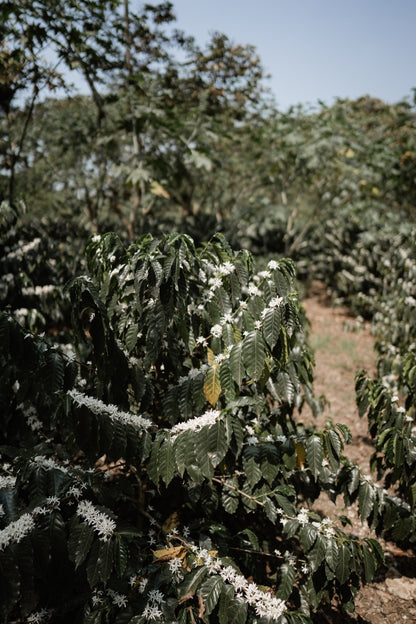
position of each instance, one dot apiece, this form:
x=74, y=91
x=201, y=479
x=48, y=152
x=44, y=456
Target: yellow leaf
x=213, y=553
x=166, y=554
x=349, y=153
x=212, y=384
x=211, y=356
x=300, y=455
x=172, y=522
x=157, y=189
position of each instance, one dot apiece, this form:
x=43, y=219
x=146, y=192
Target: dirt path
x=342, y=347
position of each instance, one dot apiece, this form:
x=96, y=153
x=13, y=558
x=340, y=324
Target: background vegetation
x=153, y=350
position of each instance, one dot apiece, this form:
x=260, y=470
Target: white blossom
x=53, y=501
x=99, y=407
x=156, y=596
x=207, y=419
x=253, y=290
x=48, y=463
x=38, y=617
x=215, y=282
x=7, y=481
x=76, y=490
x=97, y=597
x=119, y=600
x=303, y=517
x=103, y=524
x=226, y=268
x=17, y=530
x=39, y=290
x=220, y=358
x=201, y=340
x=275, y=302
x=265, y=604
x=175, y=566
x=273, y=265
x=152, y=612
x=216, y=331
x=252, y=440
x=265, y=274
x=227, y=318
x=142, y=585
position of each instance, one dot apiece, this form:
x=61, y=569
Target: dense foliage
x=154, y=362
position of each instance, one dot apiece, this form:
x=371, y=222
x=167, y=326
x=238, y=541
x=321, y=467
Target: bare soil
x=343, y=345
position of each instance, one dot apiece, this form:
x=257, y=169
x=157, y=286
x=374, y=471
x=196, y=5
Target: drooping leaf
x=314, y=454
x=254, y=354
x=210, y=591
x=212, y=384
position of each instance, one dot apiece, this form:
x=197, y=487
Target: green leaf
x=166, y=457
x=210, y=591
x=54, y=371
x=354, y=477
x=236, y=363
x=105, y=559
x=93, y=568
x=184, y=450
x=131, y=337
x=271, y=325
x=270, y=509
x=202, y=455
x=192, y=581
x=287, y=581
x=229, y=497
x=308, y=535
x=217, y=442
x=252, y=470
x=343, y=566
x=254, y=354
x=121, y=554
x=80, y=541
x=231, y=610
x=318, y=552
x=226, y=378
x=332, y=554
x=370, y=563
x=153, y=463
x=366, y=496
x=314, y=454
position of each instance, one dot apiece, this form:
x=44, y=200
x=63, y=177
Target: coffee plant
x=161, y=471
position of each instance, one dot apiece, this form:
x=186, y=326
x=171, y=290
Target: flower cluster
x=102, y=523
x=207, y=419
x=39, y=290
x=152, y=610
x=118, y=600
x=17, y=530
x=265, y=604
x=39, y=617
x=7, y=481
x=47, y=463
x=99, y=407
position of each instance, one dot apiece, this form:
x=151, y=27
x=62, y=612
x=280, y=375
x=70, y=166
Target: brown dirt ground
x=342, y=346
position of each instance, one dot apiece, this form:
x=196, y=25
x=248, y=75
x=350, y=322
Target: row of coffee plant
x=370, y=264
x=155, y=466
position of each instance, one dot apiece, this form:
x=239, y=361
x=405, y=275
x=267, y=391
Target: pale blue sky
x=318, y=49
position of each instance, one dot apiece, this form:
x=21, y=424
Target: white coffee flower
x=216, y=331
